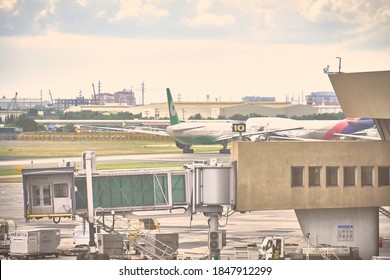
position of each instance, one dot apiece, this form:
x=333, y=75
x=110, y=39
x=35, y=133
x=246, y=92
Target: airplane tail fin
x=173, y=117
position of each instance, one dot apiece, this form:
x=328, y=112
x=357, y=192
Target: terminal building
x=335, y=188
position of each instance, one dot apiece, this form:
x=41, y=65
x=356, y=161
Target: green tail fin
x=174, y=118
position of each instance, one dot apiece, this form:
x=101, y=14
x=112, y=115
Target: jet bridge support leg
x=91, y=219
x=215, y=236
x=215, y=253
x=88, y=164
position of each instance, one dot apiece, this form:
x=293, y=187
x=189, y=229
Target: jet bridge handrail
x=161, y=250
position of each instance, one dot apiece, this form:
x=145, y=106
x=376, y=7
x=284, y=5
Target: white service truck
x=275, y=248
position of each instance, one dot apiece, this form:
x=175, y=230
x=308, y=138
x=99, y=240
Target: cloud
x=347, y=11
x=209, y=19
x=207, y=14
x=358, y=22
x=7, y=5
x=82, y=3
x=138, y=8
x=355, y=22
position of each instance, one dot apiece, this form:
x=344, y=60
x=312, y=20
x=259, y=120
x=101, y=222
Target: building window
x=61, y=190
x=36, y=196
x=46, y=195
x=315, y=176
x=332, y=176
x=349, y=176
x=297, y=176
x=367, y=176
x=384, y=176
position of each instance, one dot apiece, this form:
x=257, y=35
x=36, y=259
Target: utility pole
x=143, y=93
x=99, y=89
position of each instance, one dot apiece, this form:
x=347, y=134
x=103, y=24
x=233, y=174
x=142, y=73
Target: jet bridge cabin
x=48, y=192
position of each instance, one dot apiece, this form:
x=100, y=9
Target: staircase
x=141, y=241
x=384, y=211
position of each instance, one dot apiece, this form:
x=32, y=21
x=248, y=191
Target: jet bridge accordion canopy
x=133, y=190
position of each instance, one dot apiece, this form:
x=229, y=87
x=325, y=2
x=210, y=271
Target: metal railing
x=140, y=240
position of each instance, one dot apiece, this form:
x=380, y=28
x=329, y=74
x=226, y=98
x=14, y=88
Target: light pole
x=339, y=58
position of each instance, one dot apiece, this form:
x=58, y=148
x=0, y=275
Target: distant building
x=21, y=103
x=258, y=99
x=322, y=98
x=63, y=104
x=105, y=98
x=124, y=97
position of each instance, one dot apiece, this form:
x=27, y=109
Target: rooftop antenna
x=326, y=69
x=339, y=58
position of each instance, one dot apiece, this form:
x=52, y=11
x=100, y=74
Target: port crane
x=13, y=102
x=51, y=98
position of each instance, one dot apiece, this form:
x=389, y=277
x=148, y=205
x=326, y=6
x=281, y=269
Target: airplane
x=312, y=130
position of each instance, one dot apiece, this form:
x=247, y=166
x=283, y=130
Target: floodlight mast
x=339, y=58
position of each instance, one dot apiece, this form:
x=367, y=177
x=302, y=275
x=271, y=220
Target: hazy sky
x=226, y=49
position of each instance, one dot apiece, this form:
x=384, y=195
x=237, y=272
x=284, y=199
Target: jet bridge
x=61, y=192
x=134, y=190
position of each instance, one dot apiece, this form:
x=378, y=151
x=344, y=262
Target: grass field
x=10, y=150
x=23, y=149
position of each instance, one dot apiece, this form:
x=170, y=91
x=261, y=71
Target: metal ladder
x=140, y=240
x=326, y=255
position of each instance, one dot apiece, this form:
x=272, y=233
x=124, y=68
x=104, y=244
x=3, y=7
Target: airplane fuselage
x=310, y=129
x=199, y=133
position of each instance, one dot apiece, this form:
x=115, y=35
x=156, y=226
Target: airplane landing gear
x=186, y=148
x=224, y=150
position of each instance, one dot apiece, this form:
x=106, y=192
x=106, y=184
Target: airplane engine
x=180, y=145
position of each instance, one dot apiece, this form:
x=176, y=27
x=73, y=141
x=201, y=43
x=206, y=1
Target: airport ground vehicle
x=6, y=226
x=195, y=163
x=34, y=243
x=275, y=248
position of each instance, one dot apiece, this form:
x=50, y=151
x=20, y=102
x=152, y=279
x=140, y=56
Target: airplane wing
x=234, y=136
x=135, y=129
x=272, y=137
x=187, y=128
x=361, y=137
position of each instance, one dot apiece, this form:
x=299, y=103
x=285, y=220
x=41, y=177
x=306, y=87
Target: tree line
x=27, y=121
